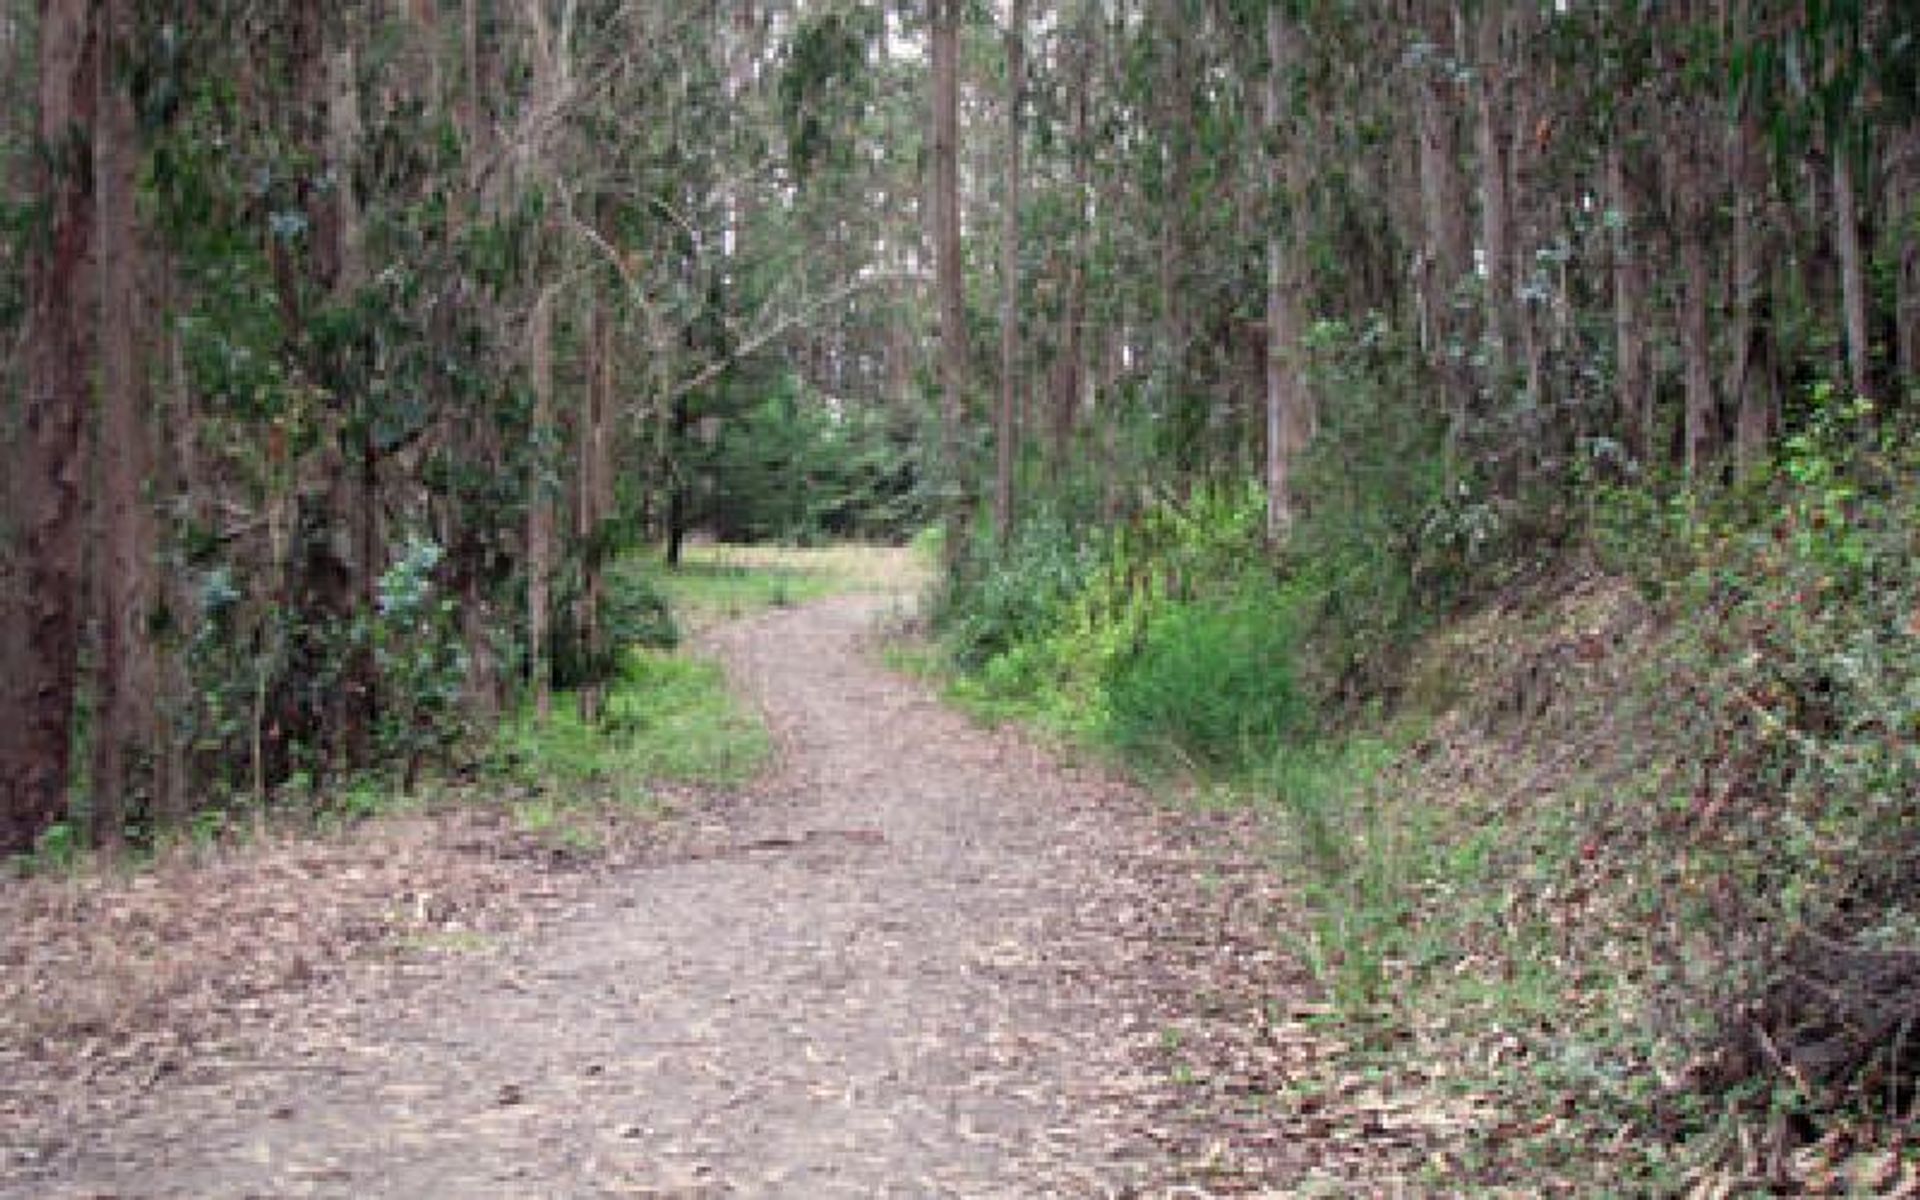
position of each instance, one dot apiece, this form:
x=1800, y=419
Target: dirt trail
x=923, y=959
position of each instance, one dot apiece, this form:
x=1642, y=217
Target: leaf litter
x=918, y=958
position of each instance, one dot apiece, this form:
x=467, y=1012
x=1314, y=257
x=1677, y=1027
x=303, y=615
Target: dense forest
x=1231, y=351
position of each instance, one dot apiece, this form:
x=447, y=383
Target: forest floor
x=918, y=957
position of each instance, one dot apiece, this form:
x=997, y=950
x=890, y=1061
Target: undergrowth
x=1621, y=873
x=667, y=718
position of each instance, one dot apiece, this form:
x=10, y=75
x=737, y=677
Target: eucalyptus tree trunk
x=1701, y=429
x=949, y=271
x=593, y=498
x=1491, y=116
x=1633, y=365
x=1853, y=271
x=1072, y=371
x=126, y=728
x=1528, y=197
x=552, y=85
x=1753, y=376
x=540, y=529
x=40, y=610
x=1447, y=258
x=1286, y=393
x=1904, y=210
x=1175, y=110
x=1007, y=427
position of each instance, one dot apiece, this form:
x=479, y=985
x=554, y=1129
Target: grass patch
x=669, y=719
x=723, y=582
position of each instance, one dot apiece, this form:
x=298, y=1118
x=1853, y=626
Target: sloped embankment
x=1602, y=934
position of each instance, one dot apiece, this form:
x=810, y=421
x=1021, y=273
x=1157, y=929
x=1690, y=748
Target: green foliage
x=1016, y=594
x=668, y=718
x=1385, y=545
x=1796, y=677
x=1353, y=866
x=58, y=849
x=416, y=643
x=1212, y=684
x=1167, y=639
x=825, y=87
x=799, y=469
x=634, y=611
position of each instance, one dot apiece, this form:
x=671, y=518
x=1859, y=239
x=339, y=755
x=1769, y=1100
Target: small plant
x=415, y=637
x=56, y=851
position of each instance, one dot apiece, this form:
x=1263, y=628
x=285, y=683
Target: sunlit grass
x=720, y=582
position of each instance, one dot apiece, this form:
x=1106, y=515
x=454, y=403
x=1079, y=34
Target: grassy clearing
x=722, y=582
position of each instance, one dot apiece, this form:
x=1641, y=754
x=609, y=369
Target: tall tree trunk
x=125, y=726
x=1527, y=199
x=1496, y=209
x=1286, y=397
x=1687, y=175
x=1853, y=270
x=594, y=500
x=178, y=474
x=1072, y=372
x=1903, y=210
x=1448, y=252
x=1175, y=109
x=1633, y=368
x=40, y=621
x=1753, y=377
x=1007, y=430
x=949, y=271
x=540, y=530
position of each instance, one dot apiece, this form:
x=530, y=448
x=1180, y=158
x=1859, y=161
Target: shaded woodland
x=348, y=340
x=1232, y=348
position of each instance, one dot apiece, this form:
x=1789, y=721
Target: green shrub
x=1390, y=535
x=1015, y=594
x=1212, y=685
x=633, y=612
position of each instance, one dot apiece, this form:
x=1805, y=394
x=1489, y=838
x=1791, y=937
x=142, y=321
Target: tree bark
x=950, y=281
x=540, y=530
x=1633, y=374
x=1687, y=173
x=126, y=679
x=1448, y=257
x=1006, y=428
x=1853, y=272
x=594, y=500
x=40, y=622
x=1175, y=108
x=1072, y=372
x=1753, y=377
x=1496, y=209
x=1286, y=394
x=1904, y=213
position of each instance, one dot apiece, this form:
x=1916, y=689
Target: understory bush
x=1166, y=637
x=1796, y=674
x=633, y=612
x=1687, y=884
x=1016, y=594
x=1211, y=685
x=1181, y=637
